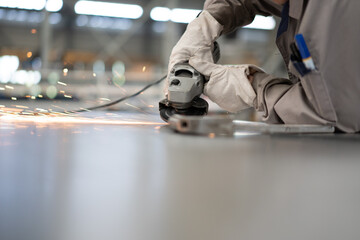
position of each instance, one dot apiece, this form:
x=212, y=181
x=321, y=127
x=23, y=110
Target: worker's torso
x=332, y=37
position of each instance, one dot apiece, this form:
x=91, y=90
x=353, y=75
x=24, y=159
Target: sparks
x=212, y=135
x=27, y=113
x=61, y=83
x=65, y=71
x=41, y=110
x=57, y=107
x=43, y=121
x=11, y=110
x=133, y=106
x=85, y=109
x=20, y=106
x=76, y=132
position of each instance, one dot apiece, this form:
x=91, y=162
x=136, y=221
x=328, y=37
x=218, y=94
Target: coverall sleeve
x=237, y=13
x=273, y=98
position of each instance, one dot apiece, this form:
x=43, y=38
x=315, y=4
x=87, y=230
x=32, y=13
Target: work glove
x=228, y=86
x=201, y=33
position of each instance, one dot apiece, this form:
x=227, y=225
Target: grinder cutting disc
x=198, y=107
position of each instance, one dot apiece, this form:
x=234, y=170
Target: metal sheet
x=228, y=125
x=144, y=182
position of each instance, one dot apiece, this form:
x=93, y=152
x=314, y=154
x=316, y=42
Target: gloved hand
x=228, y=86
x=201, y=33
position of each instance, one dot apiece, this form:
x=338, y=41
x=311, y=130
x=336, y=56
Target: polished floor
x=130, y=177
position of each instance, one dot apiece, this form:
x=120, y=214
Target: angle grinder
x=185, y=87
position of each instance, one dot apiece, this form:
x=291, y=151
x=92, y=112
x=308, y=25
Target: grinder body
x=185, y=87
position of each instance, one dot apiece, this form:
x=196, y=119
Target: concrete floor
x=92, y=181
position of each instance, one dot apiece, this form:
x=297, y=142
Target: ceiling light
x=107, y=9
x=54, y=5
x=263, y=23
x=23, y=4
x=161, y=14
x=181, y=15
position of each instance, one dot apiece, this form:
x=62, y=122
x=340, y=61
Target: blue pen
x=304, y=52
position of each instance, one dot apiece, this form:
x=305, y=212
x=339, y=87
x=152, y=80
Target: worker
x=327, y=93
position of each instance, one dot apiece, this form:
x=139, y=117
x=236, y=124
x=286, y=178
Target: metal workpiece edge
x=228, y=125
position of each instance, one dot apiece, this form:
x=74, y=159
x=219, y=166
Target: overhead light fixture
x=50, y=5
x=23, y=4
x=262, y=23
x=179, y=15
x=161, y=14
x=106, y=9
x=54, y=5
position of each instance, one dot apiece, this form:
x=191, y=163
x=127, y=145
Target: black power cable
x=119, y=100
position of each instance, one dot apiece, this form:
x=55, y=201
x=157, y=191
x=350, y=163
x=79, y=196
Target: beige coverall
x=329, y=95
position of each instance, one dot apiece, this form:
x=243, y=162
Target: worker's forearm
x=230, y=13
x=283, y=102
x=236, y=13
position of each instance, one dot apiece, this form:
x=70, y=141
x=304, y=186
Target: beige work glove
x=228, y=86
x=200, y=33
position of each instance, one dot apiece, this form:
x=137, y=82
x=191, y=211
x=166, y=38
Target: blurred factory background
x=91, y=52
